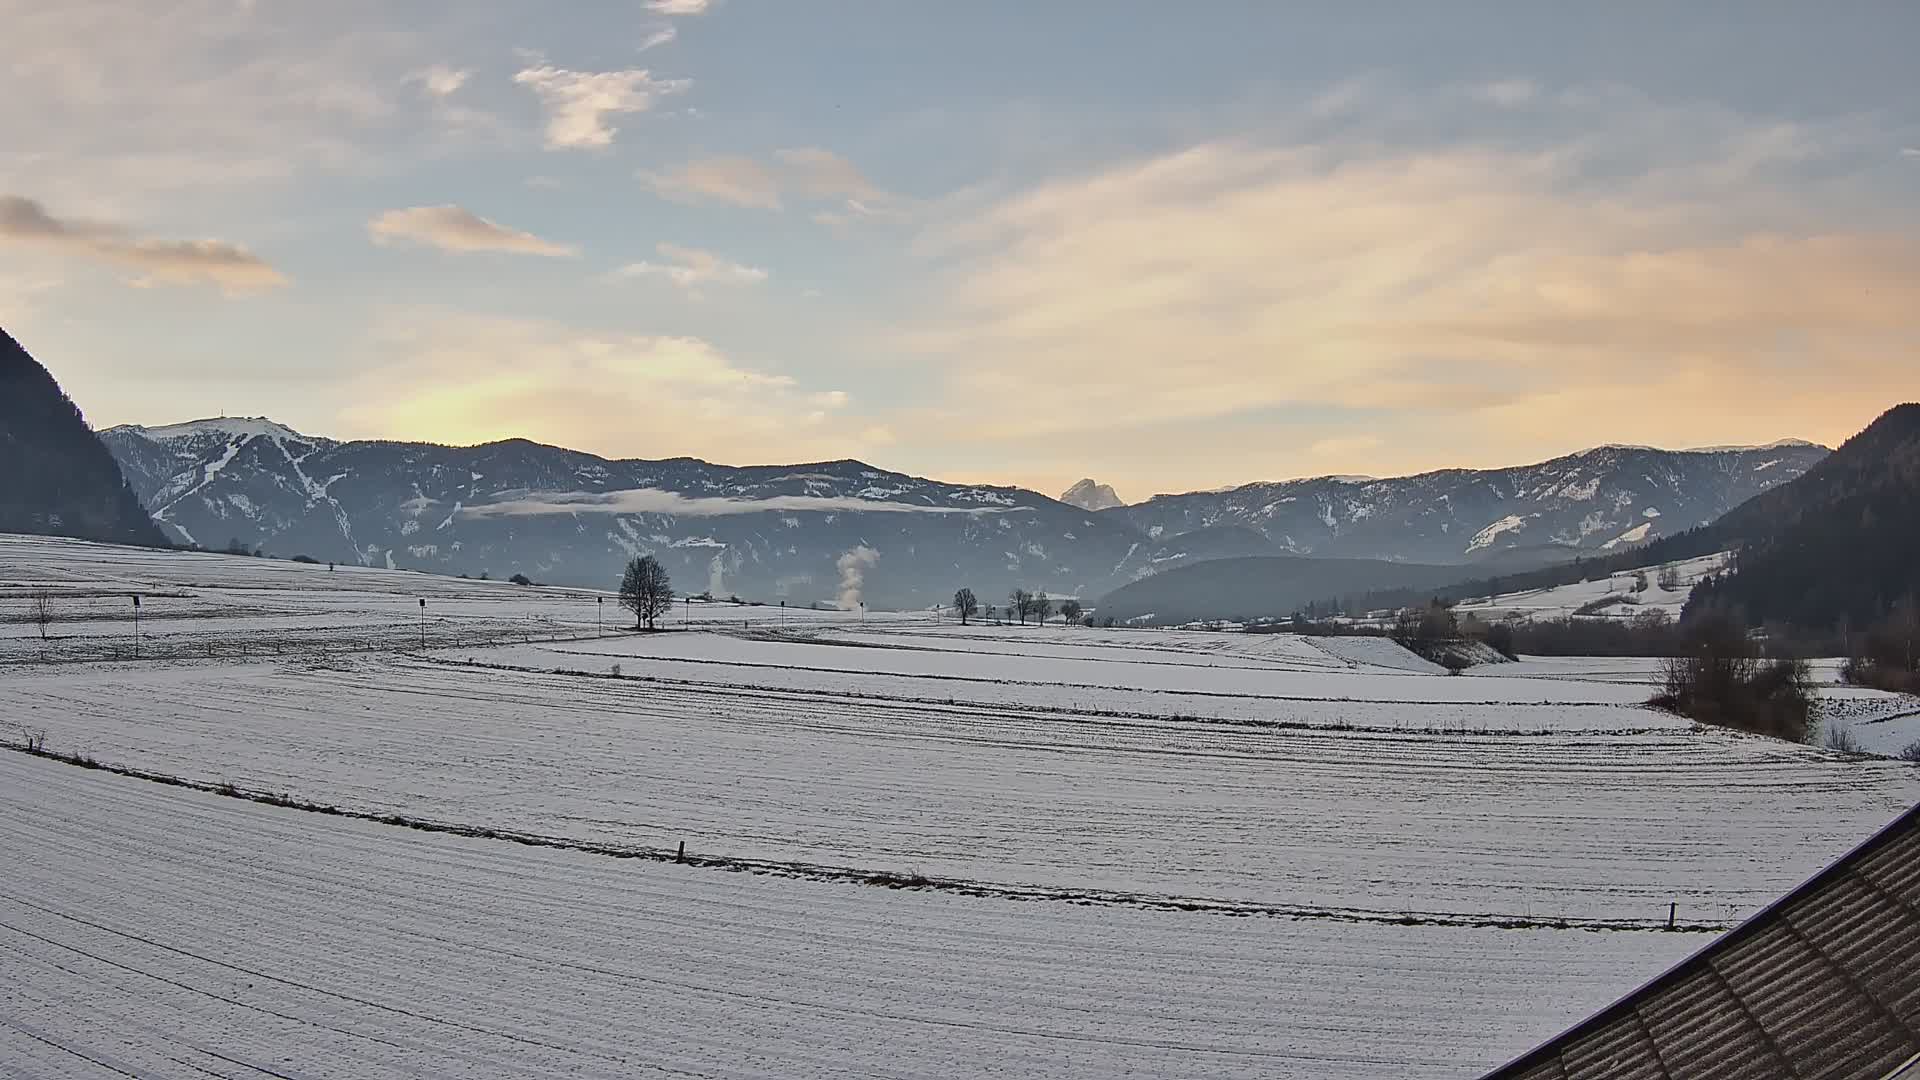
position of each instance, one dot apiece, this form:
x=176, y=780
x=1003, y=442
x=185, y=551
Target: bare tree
x=646, y=591
x=966, y=604
x=1042, y=607
x=42, y=611
x=1070, y=610
x=1669, y=579
x=1020, y=603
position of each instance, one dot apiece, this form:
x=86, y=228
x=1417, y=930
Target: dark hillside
x=1841, y=543
x=56, y=477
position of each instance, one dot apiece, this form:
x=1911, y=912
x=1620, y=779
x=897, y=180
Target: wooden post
x=682, y=855
x=1671, y=910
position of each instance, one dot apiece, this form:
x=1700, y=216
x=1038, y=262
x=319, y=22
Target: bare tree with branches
x=42, y=610
x=966, y=604
x=646, y=591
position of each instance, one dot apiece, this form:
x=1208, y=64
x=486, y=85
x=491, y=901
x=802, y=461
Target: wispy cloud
x=248, y=100
x=656, y=501
x=661, y=35
x=679, y=7
x=807, y=174
x=458, y=378
x=580, y=104
x=1509, y=93
x=734, y=181
x=441, y=81
x=162, y=262
x=457, y=229
x=691, y=268
x=1502, y=299
x=1910, y=151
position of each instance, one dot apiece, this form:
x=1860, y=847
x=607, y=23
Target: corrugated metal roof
x=1824, y=983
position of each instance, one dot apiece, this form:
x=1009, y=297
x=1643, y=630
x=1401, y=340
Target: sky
x=1171, y=247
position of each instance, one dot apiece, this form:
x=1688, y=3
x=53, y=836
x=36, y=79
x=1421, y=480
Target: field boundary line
x=880, y=878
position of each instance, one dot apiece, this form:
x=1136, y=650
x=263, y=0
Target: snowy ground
x=1432, y=872
x=155, y=932
x=1878, y=721
x=1586, y=597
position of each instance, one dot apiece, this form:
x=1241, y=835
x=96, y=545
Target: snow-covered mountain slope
x=845, y=532
x=1088, y=495
x=830, y=532
x=1622, y=595
x=1597, y=500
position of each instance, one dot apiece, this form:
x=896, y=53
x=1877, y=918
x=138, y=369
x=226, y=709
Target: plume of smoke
x=853, y=566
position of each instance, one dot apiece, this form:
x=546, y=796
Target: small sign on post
x=136, y=626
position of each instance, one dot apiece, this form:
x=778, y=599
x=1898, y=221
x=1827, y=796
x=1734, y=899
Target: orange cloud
x=464, y=379
x=1488, y=304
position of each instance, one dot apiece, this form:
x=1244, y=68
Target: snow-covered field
x=1430, y=872
x=154, y=932
x=1589, y=597
x=200, y=605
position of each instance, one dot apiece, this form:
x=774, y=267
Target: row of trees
x=1021, y=604
x=1887, y=655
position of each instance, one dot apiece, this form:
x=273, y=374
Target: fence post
x=681, y=856
x=1672, y=908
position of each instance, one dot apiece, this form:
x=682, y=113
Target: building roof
x=1823, y=983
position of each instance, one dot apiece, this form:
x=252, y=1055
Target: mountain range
x=1600, y=499
x=844, y=532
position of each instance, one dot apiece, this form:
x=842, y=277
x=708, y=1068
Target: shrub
x=1840, y=737
x=1912, y=752
x=521, y=579
x=1454, y=662
x=310, y=560
x=1720, y=679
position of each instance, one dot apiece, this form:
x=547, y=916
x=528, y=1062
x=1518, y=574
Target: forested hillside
x=1840, y=544
x=56, y=477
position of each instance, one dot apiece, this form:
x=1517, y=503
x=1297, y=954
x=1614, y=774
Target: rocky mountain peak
x=1088, y=495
